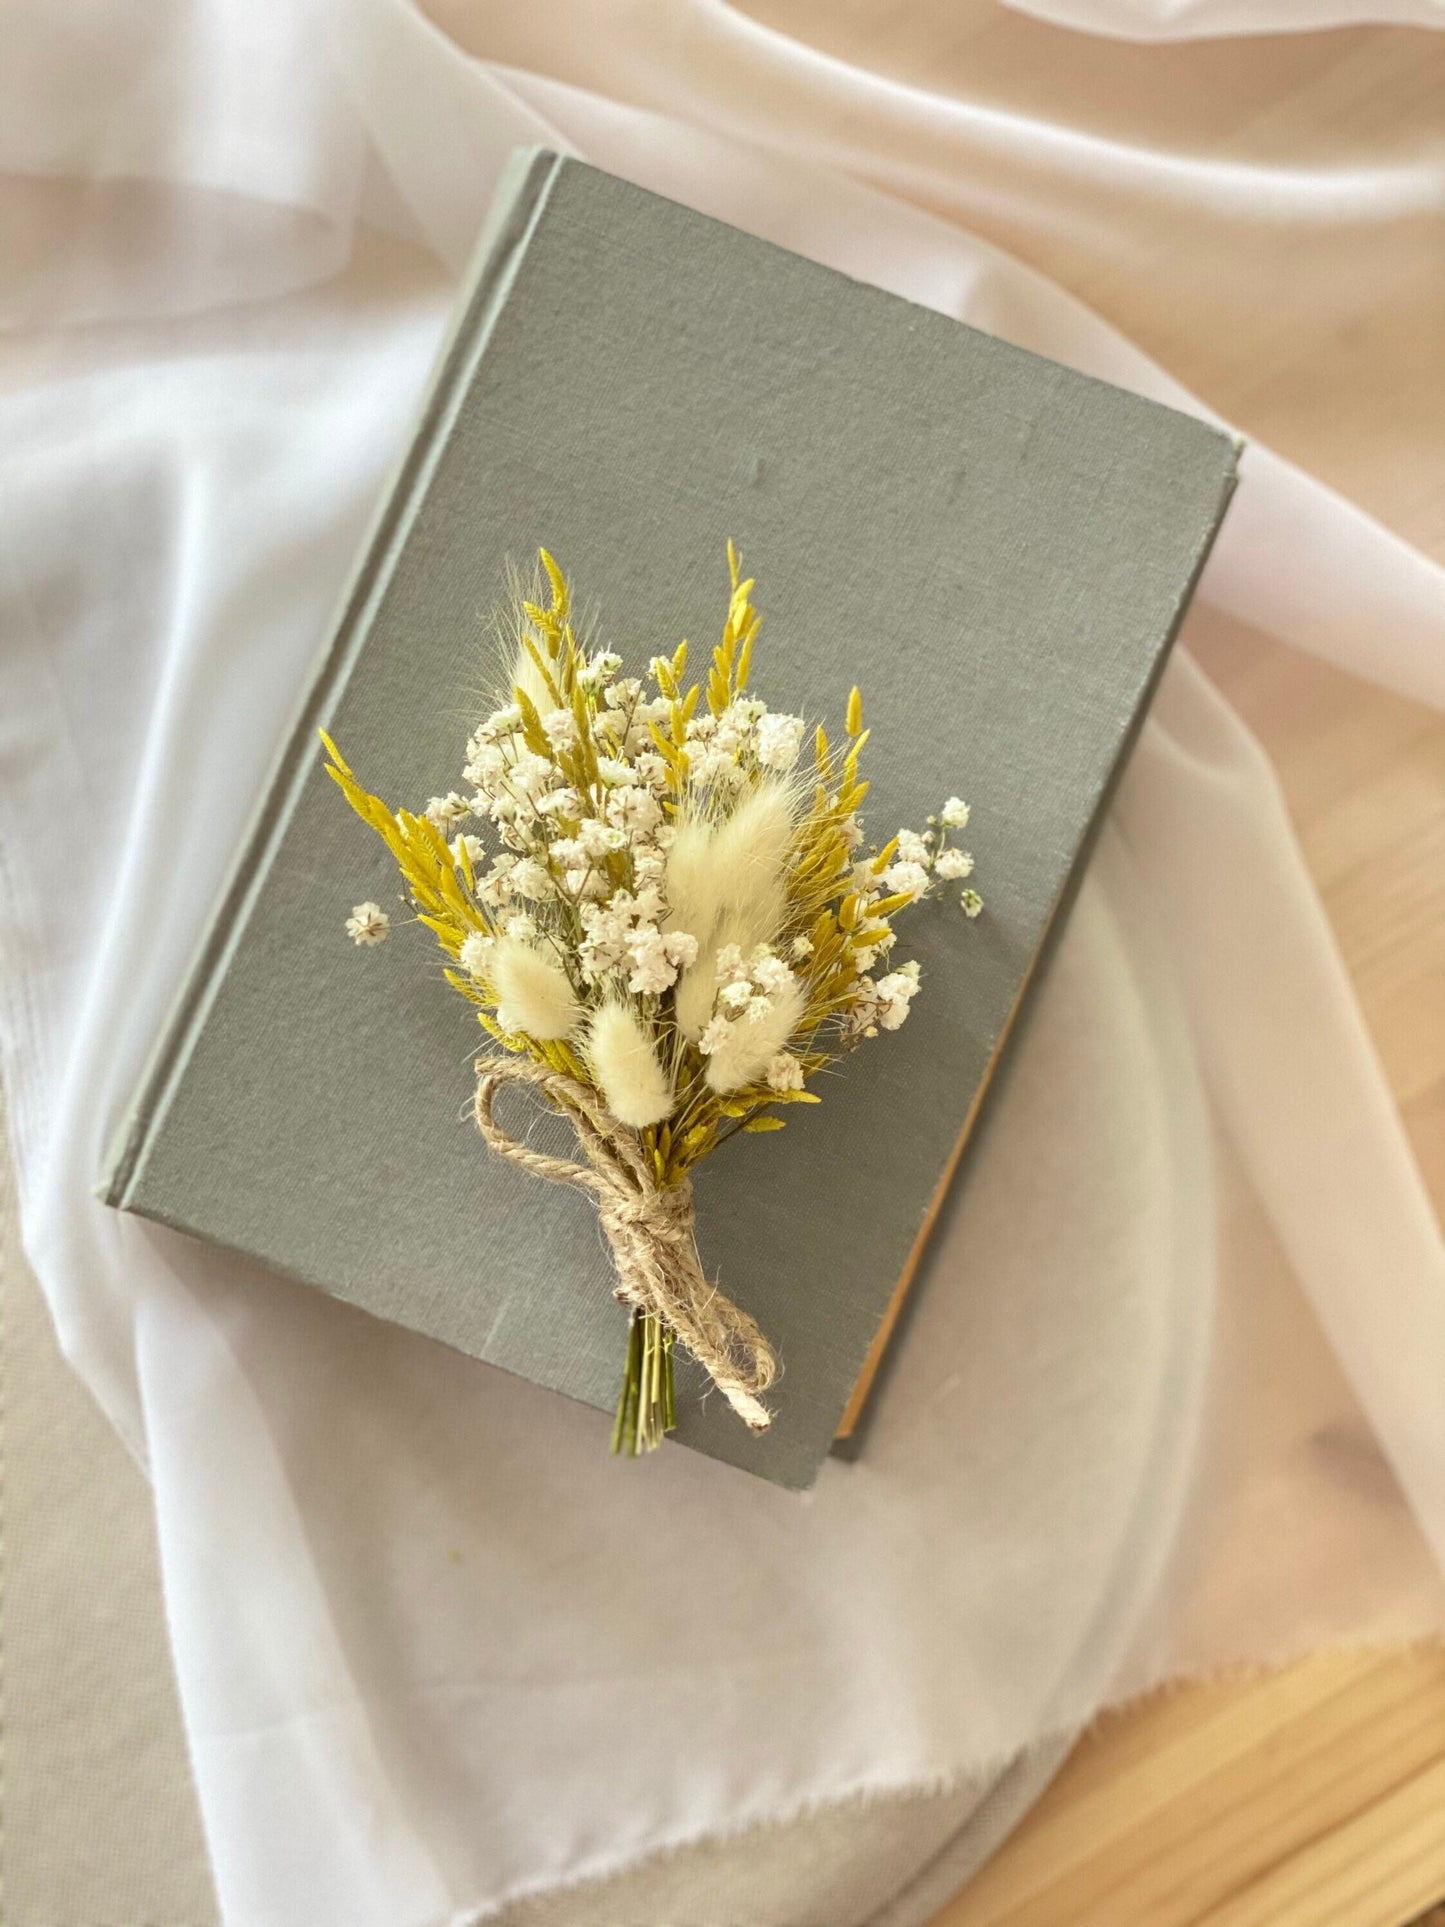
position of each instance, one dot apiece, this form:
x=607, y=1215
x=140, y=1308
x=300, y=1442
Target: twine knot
x=649, y=1227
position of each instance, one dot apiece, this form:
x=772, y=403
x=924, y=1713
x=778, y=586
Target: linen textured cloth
x=436, y=1651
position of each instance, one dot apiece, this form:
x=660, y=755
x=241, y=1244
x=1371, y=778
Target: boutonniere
x=670, y=924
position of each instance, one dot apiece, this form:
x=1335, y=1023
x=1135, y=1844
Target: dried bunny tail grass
x=527, y=677
x=691, y=903
x=750, y=865
x=734, y=869
x=727, y=883
x=696, y=994
x=622, y=1057
x=751, y=1043
x=534, y=994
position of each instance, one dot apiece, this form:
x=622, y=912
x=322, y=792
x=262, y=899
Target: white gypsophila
x=652, y=970
x=778, y=740
x=862, y=1009
x=972, y=903
x=801, y=948
x=715, y=1034
x=741, y=713
x=491, y=889
x=906, y=880
x=599, y=668
x=519, y=833
x=473, y=955
x=784, y=1073
x=913, y=848
x=368, y=924
x=865, y=958
x=953, y=864
x=562, y=802
x=715, y=769
x=650, y=768
x=614, y=773
x=472, y=847
x=894, y=993
x=768, y=972
x=531, y=880
x=730, y=965
x=681, y=947
x=568, y=852
x=623, y=693
x=954, y=814
x=443, y=811
x=599, y=839
x=852, y=832
x=531, y=774
x=609, y=943
x=522, y=928
x=486, y=770
x=736, y=995
x=635, y=811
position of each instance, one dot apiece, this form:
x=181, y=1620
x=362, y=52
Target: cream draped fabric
x=436, y=1650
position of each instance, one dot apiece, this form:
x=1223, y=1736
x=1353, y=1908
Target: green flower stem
x=645, y=1407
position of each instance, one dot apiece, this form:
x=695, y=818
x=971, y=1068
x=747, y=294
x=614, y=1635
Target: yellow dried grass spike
x=561, y=594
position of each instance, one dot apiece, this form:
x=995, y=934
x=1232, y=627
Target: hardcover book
x=997, y=549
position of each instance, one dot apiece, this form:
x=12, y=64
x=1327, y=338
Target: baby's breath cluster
x=643, y=883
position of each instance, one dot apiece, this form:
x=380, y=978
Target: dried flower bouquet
x=668, y=930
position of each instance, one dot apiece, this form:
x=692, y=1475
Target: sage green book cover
x=997, y=549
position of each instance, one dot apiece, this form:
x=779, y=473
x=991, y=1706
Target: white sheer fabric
x=1201, y=19
x=426, y=1664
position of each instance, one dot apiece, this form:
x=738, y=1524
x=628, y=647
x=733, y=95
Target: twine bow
x=649, y=1228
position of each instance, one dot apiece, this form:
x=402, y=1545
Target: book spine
x=506, y=235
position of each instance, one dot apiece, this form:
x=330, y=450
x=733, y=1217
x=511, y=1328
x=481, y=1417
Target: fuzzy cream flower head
x=368, y=924
x=622, y=1055
x=534, y=993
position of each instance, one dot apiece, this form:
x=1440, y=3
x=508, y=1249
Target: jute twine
x=649, y=1228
